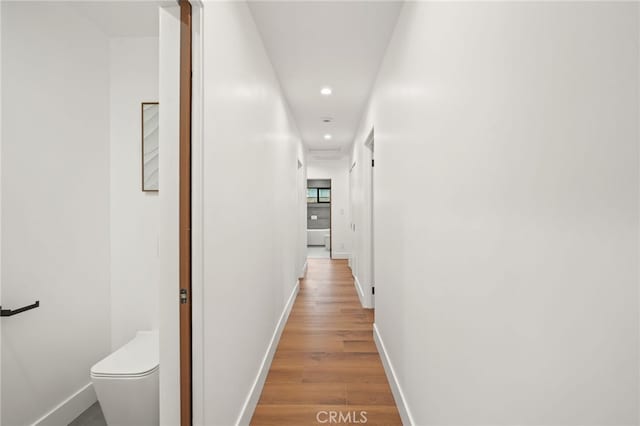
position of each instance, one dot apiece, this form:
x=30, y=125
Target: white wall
x=251, y=203
x=338, y=172
x=506, y=212
x=55, y=205
x=134, y=214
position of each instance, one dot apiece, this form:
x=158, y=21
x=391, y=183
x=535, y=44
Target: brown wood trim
x=185, y=214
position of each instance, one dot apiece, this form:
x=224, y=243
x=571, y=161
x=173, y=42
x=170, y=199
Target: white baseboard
x=304, y=269
x=364, y=300
x=256, y=390
x=340, y=255
x=70, y=408
x=396, y=389
x=359, y=289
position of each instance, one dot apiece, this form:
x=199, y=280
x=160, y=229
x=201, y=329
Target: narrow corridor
x=327, y=363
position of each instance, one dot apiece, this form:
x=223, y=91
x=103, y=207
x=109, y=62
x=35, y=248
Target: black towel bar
x=10, y=312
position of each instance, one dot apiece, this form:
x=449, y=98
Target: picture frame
x=150, y=117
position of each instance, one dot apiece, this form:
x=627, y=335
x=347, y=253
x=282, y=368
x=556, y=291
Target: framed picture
x=150, y=146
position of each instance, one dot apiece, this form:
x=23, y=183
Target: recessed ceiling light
x=327, y=136
x=326, y=90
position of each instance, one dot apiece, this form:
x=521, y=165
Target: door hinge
x=373, y=290
x=372, y=162
x=183, y=296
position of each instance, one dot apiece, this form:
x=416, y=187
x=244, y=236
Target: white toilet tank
x=126, y=382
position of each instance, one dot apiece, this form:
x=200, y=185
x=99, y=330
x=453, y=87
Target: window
x=318, y=195
x=324, y=195
x=312, y=195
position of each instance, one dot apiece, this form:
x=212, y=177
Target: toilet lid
x=139, y=357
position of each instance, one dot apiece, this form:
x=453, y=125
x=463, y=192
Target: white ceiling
x=133, y=18
x=326, y=43
x=310, y=43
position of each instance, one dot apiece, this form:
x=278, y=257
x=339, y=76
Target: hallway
x=202, y=201
x=327, y=360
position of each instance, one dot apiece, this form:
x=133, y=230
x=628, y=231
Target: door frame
x=330, y=218
x=330, y=188
x=369, y=146
x=185, y=208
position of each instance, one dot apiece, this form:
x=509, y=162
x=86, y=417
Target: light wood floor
x=327, y=359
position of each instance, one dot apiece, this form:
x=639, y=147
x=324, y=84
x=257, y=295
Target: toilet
x=126, y=382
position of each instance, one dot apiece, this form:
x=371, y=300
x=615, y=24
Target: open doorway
x=97, y=188
x=319, y=238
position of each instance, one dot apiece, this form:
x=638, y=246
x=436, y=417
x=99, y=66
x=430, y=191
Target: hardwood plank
x=300, y=415
x=326, y=359
x=360, y=346
x=295, y=415
x=304, y=393
x=369, y=394
x=333, y=375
